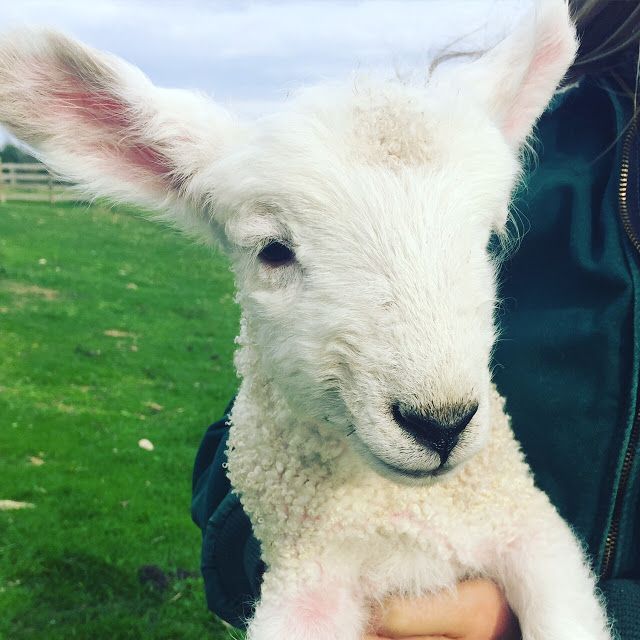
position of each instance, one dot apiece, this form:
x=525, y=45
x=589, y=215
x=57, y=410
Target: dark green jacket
x=567, y=360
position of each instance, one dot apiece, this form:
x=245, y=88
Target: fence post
x=3, y=195
x=27, y=181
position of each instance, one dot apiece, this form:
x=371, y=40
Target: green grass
x=80, y=399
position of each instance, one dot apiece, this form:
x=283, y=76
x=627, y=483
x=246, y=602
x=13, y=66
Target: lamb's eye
x=276, y=254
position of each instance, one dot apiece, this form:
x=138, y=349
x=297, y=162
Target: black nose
x=439, y=433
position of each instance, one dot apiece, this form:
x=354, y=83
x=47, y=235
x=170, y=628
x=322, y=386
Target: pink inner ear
x=546, y=56
x=537, y=86
x=111, y=123
x=98, y=108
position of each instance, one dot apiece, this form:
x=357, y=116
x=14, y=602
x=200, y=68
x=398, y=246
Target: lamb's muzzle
x=440, y=433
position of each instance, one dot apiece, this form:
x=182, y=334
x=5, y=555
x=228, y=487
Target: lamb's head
x=357, y=221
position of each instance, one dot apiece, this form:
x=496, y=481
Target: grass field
x=112, y=329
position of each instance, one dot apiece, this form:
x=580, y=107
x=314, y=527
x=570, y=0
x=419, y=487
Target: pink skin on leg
x=316, y=609
x=325, y=609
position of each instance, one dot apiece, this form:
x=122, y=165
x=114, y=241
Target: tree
x=12, y=153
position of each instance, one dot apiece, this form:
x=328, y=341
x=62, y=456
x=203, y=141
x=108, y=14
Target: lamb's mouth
x=415, y=474
x=392, y=471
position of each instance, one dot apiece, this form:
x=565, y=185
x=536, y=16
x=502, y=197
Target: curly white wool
x=305, y=488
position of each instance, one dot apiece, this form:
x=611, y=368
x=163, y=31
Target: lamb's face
x=365, y=275
x=357, y=223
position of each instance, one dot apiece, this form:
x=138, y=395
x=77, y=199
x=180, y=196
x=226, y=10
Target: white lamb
x=368, y=445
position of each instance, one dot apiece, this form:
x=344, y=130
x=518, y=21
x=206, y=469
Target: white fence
x=26, y=181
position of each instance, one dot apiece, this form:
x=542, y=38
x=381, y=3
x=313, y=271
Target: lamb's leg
x=318, y=604
x=549, y=585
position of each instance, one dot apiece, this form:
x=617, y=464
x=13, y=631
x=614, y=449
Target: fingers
x=475, y=609
x=411, y=638
x=434, y=615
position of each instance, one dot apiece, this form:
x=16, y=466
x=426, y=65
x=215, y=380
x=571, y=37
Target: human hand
x=476, y=610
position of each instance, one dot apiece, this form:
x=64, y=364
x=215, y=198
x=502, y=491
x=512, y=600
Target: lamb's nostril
x=441, y=434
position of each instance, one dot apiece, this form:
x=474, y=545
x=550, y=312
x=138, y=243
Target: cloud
x=180, y=42
x=253, y=53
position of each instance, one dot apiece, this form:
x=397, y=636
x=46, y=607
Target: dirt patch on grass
x=14, y=505
x=116, y=333
x=65, y=408
x=23, y=289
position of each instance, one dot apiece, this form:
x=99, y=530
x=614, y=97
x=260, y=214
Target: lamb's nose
x=440, y=434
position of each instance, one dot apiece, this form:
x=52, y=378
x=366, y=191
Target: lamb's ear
x=101, y=123
x=518, y=77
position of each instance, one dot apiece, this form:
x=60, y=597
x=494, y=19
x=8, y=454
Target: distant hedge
x=11, y=153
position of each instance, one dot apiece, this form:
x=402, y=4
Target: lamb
x=368, y=444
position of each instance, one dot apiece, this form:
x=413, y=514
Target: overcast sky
x=249, y=55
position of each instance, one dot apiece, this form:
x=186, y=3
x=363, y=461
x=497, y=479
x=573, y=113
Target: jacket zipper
x=627, y=462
